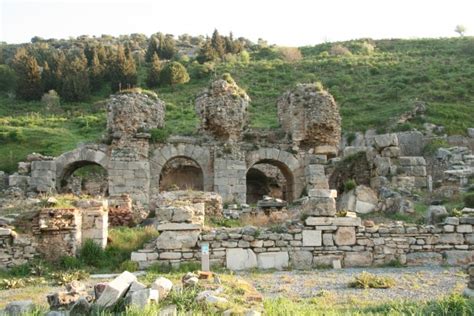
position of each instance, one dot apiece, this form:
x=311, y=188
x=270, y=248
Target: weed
x=367, y=280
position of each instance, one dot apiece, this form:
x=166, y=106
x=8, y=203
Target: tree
x=153, y=77
x=218, y=43
x=173, y=73
x=460, y=29
x=207, y=52
x=7, y=78
x=29, y=75
x=76, y=85
x=167, y=48
x=47, y=78
x=123, y=72
x=152, y=49
x=96, y=72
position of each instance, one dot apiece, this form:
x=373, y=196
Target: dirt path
x=415, y=283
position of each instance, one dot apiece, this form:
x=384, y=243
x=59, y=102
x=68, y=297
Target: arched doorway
x=181, y=173
x=269, y=177
x=84, y=178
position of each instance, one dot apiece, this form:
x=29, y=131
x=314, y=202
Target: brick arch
x=286, y=162
x=202, y=157
x=70, y=161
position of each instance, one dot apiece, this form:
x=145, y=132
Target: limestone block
x=424, y=258
x=328, y=239
x=391, y=152
x=115, y=290
x=382, y=166
x=352, y=150
x=470, y=132
x=385, y=140
x=178, y=226
x=141, y=298
x=345, y=236
x=240, y=259
x=358, y=259
x=464, y=229
x=412, y=161
x=18, y=308
x=138, y=256
x=273, y=260
x=177, y=239
x=459, y=257
x=301, y=260
x=319, y=206
x=410, y=143
x=325, y=260
x=163, y=286
x=312, y=238
x=451, y=238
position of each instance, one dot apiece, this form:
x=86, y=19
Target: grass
x=367, y=280
x=372, y=91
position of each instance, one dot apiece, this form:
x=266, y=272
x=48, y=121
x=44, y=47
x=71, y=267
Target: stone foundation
x=318, y=242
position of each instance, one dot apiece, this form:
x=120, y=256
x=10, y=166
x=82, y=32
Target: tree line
x=79, y=70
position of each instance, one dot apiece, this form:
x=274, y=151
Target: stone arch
x=200, y=155
x=183, y=172
x=70, y=161
x=286, y=162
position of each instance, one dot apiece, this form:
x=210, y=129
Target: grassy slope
x=371, y=91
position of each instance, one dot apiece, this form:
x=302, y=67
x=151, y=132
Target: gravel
x=413, y=283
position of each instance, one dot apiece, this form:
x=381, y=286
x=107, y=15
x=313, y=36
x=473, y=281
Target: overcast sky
x=282, y=22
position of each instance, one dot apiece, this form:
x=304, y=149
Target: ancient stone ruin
x=301, y=171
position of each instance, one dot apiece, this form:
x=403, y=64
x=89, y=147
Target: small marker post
x=205, y=257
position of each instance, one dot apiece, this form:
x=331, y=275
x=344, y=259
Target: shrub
x=340, y=50
x=434, y=145
x=51, y=99
x=290, y=54
x=92, y=254
x=7, y=78
x=349, y=185
x=129, y=265
x=173, y=73
x=469, y=200
x=367, y=280
x=70, y=263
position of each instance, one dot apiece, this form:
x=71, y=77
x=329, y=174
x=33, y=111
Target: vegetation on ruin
x=372, y=81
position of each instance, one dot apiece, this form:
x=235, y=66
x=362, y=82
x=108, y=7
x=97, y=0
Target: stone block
x=274, y=260
x=452, y=238
x=138, y=256
x=178, y=226
x=141, y=298
x=328, y=239
x=163, y=286
x=312, y=238
x=5, y=231
x=18, y=308
x=319, y=207
x=301, y=260
x=115, y=290
x=177, y=239
x=170, y=255
x=458, y=257
x=464, y=228
x=325, y=260
x=358, y=259
x=347, y=221
x=240, y=259
x=345, y=236
x=385, y=140
x=412, y=161
x=424, y=258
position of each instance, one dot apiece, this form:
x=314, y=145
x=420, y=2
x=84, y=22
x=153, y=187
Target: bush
x=7, y=78
x=340, y=50
x=367, y=280
x=92, y=254
x=290, y=54
x=129, y=265
x=349, y=185
x=50, y=100
x=469, y=200
x=173, y=73
x=70, y=263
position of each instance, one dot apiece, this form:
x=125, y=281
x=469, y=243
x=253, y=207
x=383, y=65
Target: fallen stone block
x=80, y=308
x=115, y=290
x=163, y=286
x=141, y=298
x=19, y=308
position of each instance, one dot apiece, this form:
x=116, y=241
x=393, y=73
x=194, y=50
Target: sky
x=281, y=22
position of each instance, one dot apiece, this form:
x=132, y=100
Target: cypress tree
x=218, y=43
x=47, y=78
x=28, y=74
x=152, y=49
x=123, y=71
x=76, y=85
x=207, y=52
x=167, y=47
x=96, y=72
x=153, y=77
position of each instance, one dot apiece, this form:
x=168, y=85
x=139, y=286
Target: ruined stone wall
x=15, y=249
x=319, y=242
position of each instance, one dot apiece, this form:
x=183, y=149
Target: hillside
x=372, y=89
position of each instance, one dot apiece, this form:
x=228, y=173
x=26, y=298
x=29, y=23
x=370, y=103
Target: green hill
x=372, y=88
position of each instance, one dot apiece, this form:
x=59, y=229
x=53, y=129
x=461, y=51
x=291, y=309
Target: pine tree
x=76, y=85
x=57, y=69
x=123, y=71
x=152, y=49
x=29, y=75
x=218, y=43
x=153, y=77
x=173, y=73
